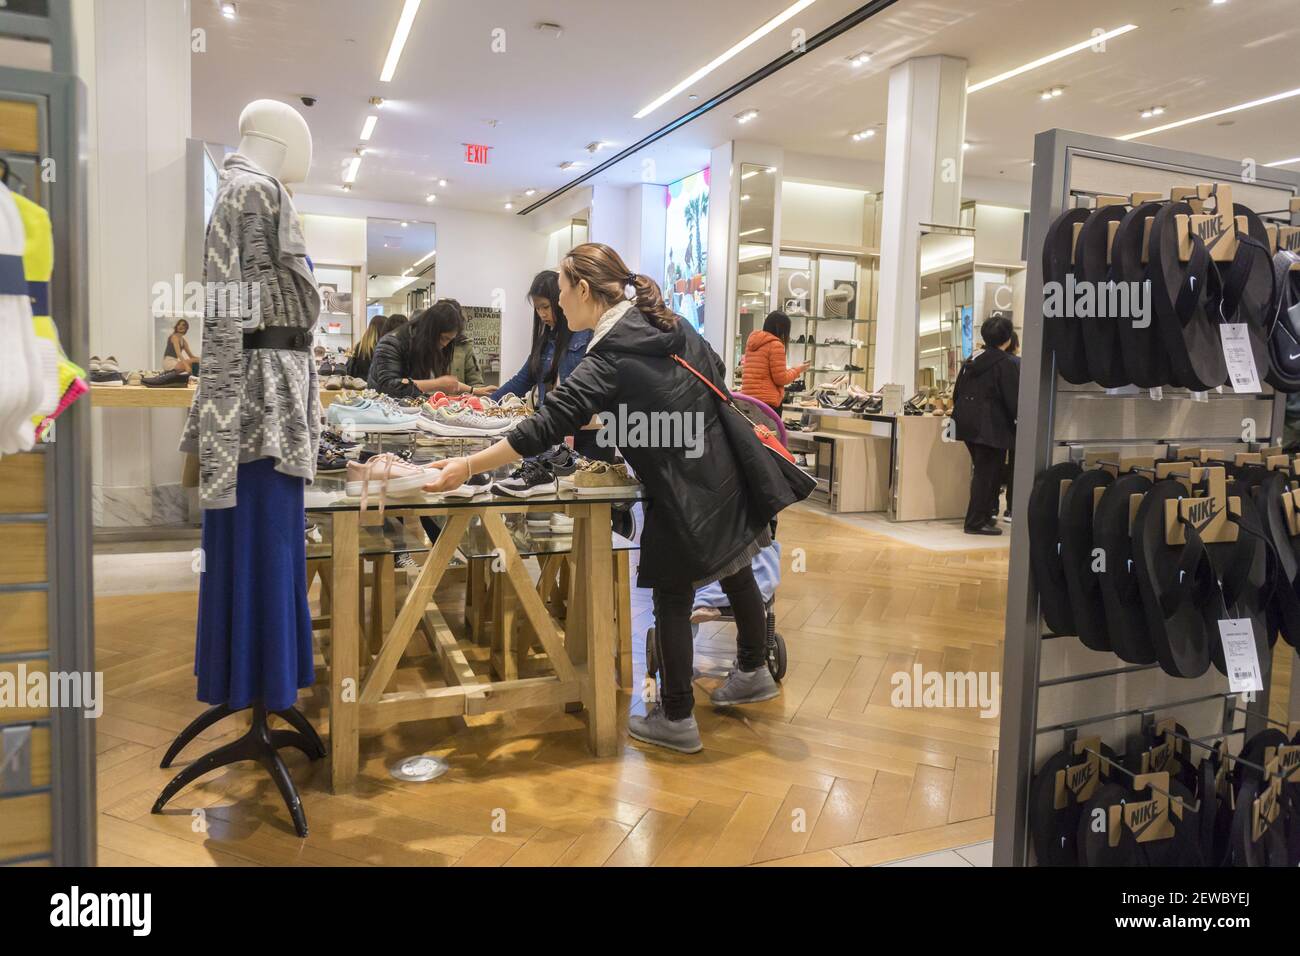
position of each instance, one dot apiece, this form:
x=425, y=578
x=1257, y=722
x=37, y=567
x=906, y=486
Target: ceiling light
x=745, y=198
x=965, y=146
x=351, y=175
x=570, y=164
x=430, y=198
x=510, y=205
x=368, y=127
x=362, y=150
x=228, y=10
x=442, y=183
x=597, y=145
x=751, y=232
x=423, y=259
x=404, y=23
x=863, y=134
x=744, y=116
x=752, y=172
x=1285, y=162
x=347, y=187
x=407, y=273
x=1057, y=90
x=704, y=71
x=1051, y=57
x=377, y=102
x=530, y=192
x=1045, y=95
x=860, y=59
x=1205, y=116
x=405, y=225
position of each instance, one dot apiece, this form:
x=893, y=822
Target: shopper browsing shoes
x=428, y=354
x=984, y=411
x=765, y=374
x=706, y=516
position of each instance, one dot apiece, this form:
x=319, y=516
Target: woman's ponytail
x=650, y=303
x=612, y=281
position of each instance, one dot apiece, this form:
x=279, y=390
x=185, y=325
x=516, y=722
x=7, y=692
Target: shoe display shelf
x=1055, y=691
x=140, y=396
x=578, y=666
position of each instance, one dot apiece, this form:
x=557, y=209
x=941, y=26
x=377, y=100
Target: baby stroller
x=767, y=572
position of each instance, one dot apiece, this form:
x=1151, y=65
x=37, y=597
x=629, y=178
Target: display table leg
x=623, y=617
x=596, y=598
x=345, y=626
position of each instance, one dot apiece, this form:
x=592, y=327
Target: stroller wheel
x=651, y=662
x=776, y=662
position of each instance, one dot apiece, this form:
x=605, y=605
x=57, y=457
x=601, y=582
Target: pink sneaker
x=384, y=475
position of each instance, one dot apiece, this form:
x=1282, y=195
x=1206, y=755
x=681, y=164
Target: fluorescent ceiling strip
x=749, y=41
x=751, y=232
x=1052, y=57
x=1285, y=162
x=351, y=175
x=404, y=23
x=418, y=262
x=368, y=129
x=1223, y=112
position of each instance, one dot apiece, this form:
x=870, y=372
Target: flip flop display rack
x=1157, y=569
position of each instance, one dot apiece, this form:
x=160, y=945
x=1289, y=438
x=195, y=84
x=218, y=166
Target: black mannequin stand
x=261, y=743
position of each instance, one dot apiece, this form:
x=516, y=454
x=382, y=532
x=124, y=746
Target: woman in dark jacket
x=703, y=523
x=428, y=354
x=984, y=411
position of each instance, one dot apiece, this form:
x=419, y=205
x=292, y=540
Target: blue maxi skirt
x=254, y=629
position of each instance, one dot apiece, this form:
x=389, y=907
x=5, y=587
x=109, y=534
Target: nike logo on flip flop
x=1294, y=357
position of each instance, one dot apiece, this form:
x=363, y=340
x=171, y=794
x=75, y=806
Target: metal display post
x=1052, y=686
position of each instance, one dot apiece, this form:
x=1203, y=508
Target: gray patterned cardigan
x=260, y=403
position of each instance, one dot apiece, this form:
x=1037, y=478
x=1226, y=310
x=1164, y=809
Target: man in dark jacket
x=984, y=411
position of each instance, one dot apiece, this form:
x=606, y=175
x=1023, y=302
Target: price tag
x=1240, y=656
x=1240, y=358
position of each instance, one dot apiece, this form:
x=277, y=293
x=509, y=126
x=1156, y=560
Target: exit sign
x=476, y=153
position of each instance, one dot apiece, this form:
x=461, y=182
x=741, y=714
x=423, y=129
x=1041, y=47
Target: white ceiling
x=552, y=96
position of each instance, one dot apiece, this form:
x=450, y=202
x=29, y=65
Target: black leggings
x=676, y=650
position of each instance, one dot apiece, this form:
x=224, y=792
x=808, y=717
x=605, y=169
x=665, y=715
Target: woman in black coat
x=984, y=411
x=703, y=523
x=430, y=353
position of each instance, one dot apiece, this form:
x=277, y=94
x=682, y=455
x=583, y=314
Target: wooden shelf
x=138, y=396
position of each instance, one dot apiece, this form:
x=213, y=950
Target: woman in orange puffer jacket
x=764, y=374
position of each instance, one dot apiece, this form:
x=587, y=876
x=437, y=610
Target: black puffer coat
x=700, y=514
x=395, y=359
x=985, y=397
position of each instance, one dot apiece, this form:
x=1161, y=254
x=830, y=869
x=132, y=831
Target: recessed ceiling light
x=347, y=187
x=362, y=150
x=423, y=259
x=405, y=225
x=510, y=205
x=965, y=146
x=530, y=192
x=571, y=164
x=351, y=175
x=860, y=59
x=1217, y=113
x=595, y=146
x=744, y=116
x=1051, y=57
x=1057, y=90
x=368, y=127
x=745, y=198
x=863, y=134
x=712, y=65
x=400, y=35
x=377, y=102
x=430, y=198
x=751, y=232
x=228, y=10
x=442, y=183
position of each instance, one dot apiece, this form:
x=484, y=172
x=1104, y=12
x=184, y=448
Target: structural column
x=925, y=129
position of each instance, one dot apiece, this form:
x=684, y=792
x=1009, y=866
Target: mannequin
x=255, y=426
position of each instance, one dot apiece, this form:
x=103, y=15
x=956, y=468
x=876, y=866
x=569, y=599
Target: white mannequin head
x=276, y=137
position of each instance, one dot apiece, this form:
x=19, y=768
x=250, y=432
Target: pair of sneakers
x=683, y=736
x=106, y=372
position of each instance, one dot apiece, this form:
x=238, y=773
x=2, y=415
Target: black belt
x=279, y=337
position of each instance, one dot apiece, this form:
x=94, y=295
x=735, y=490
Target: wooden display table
x=138, y=396
x=582, y=656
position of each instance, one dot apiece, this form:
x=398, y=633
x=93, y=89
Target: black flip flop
x=1176, y=582
x=1146, y=363
x=1242, y=290
x=1178, y=294
x=1184, y=848
x=1208, y=796
x=1054, y=831
x=1125, y=619
x=1065, y=335
x=1284, y=324
x=1101, y=342
x=1082, y=583
x=1284, y=608
x=1244, y=570
x=1093, y=847
x=1271, y=849
x=1045, y=547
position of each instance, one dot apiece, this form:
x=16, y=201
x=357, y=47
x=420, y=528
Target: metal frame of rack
x=1051, y=686
x=68, y=469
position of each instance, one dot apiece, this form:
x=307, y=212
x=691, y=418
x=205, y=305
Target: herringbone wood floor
x=828, y=774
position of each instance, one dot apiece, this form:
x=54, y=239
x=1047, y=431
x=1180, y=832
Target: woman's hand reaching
x=449, y=474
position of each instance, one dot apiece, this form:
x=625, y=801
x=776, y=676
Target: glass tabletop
x=329, y=493
x=397, y=535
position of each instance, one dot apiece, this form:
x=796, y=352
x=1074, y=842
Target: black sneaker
x=329, y=461
x=173, y=379
x=561, y=460
x=474, y=486
x=532, y=477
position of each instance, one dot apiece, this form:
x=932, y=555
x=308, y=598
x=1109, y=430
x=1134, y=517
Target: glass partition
x=754, y=252
x=401, y=266
x=946, y=331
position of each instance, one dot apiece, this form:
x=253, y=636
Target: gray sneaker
x=655, y=728
x=746, y=687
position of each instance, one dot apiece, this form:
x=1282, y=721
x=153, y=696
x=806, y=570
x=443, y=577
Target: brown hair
x=608, y=275
x=374, y=332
